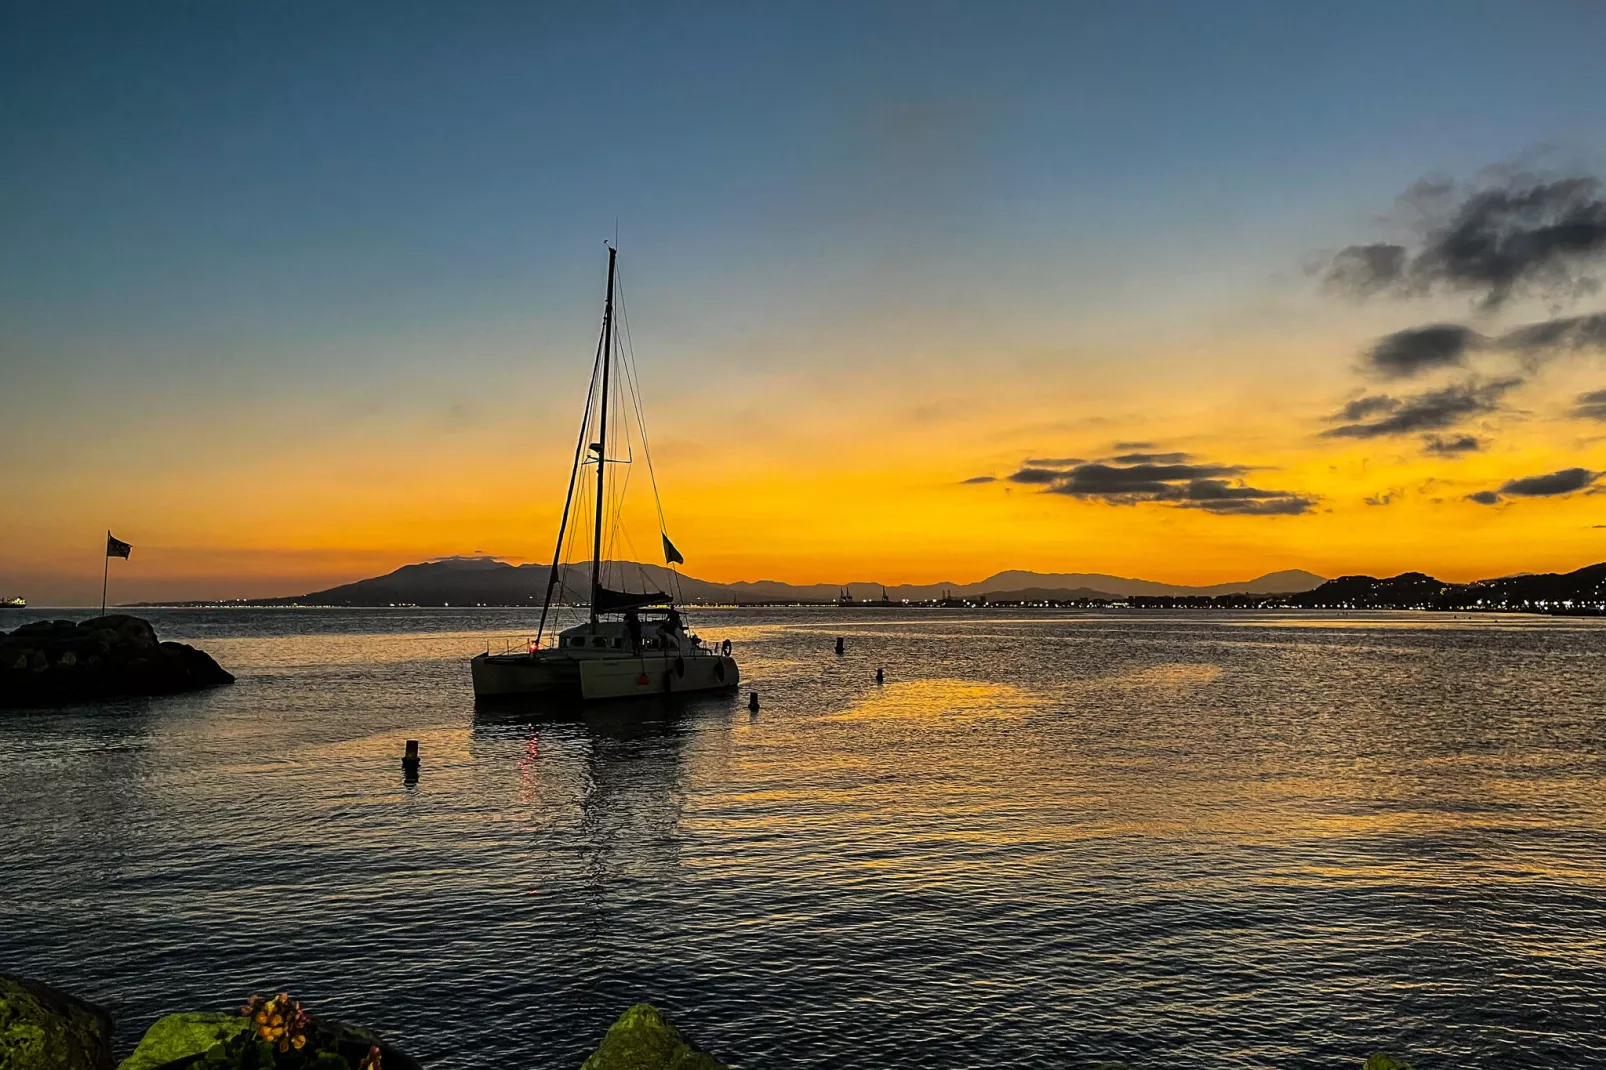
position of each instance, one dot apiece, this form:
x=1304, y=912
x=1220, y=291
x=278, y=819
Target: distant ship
x=13, y=603
x=644, y=647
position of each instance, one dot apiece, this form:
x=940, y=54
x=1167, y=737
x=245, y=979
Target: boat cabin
x=653, y=631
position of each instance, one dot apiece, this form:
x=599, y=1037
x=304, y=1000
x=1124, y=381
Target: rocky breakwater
x=42, y=1028
x=54, y=661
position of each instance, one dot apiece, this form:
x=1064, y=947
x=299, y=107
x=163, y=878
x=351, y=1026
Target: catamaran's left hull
x=503, y=676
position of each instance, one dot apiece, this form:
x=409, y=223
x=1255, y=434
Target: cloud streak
x=1450, y=447
x=1550, y=485
x=1591, y=406
x=1431, y=411
x=1164, y=478
x=1418, y=350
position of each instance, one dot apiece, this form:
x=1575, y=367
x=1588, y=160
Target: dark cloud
x=1051, y=462
x=1134, y=445
x=1549, y=485
x=1143, y=481
x=1213, y=488
x=1451, y=446
x=1493, y=238
x=1592, y=405
x=1150, y=458
x=1361, y=408
x=1568, y=332
x=1365, y=269
x=979, y=479
x=1385, y=498
x=1286, y=505
x=1448, y=345
x=1563, y=482
x=1431, y=411
x=1437, y=345
x=1035, y=476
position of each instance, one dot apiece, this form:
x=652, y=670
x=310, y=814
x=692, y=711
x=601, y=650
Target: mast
x=601, y=445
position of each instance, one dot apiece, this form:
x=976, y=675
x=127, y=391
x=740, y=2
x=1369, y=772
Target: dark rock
x=43, y=1029
x=642, y=1040
x=50, y=662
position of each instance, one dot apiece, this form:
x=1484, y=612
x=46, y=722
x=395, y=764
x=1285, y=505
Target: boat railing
x=526, y=644
x=518, y=644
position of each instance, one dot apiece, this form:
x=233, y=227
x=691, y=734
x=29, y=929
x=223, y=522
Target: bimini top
x=607, y=601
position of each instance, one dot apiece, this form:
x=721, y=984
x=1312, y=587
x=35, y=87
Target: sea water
x=1216, y=839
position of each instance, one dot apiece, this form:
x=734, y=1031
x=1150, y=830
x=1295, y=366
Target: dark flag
x=116, y=547
x=672, y=555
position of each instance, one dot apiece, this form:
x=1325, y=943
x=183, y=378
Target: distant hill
x=484, y=581
x=1581, y=591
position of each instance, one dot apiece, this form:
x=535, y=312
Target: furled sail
x=617, y=601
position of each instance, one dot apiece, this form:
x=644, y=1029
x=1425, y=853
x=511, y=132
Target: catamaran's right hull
x=627, y=677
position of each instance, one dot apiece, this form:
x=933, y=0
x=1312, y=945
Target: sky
x=293, y=294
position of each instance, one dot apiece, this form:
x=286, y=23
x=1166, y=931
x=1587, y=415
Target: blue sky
x=216, y=217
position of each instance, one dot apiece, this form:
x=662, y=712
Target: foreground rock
x=642, y=1040
x=49, y=662
x=184, y=1036
x=43, y=1029
x=228, y=1042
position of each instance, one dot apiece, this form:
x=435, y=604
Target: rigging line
x=568, y=498
x=620, y=489
x=629, y=363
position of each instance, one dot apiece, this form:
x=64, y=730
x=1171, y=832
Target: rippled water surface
x=1218, y=840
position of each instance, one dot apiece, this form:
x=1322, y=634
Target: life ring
x=725, y=648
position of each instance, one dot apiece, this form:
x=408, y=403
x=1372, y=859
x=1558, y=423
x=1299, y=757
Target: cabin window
x=578, y=640
x=599, y=641
x=617, y=643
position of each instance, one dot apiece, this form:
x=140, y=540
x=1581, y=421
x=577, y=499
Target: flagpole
x=105, y=571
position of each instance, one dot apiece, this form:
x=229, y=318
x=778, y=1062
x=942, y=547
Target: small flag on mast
x=671, y=555
x=116, y=547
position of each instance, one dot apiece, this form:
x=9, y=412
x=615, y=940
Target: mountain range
x=484, y=581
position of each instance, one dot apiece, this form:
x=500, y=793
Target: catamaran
x=632, y=643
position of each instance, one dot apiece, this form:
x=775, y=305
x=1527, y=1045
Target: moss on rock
x=43, y=1029
x=181, y=1036
x=642, y=1040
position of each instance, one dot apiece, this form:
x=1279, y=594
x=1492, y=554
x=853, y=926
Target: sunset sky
x=292, y=294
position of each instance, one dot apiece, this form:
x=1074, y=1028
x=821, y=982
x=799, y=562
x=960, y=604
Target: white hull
x=593, y=677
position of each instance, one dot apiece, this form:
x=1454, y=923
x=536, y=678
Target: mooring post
x=410, y=758
x=752, y=701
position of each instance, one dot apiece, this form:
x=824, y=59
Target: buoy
x=752, y=701
x=880, y=676
x=410, y=758
x=839, y=644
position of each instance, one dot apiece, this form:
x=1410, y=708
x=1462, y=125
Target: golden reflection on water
x=940, y=699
